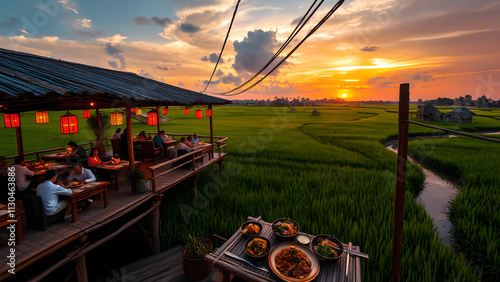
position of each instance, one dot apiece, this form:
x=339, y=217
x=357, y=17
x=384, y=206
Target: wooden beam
x=399, y=199
x=130, y=142
x=98, y=116
x=155, y=229
x=158, y=119
x=81, y=269
x=19, y=138
x=211, y=128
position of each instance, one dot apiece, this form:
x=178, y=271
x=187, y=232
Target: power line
x=223, y=45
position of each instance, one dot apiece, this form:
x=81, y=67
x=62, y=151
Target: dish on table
x=75, y=184
x=327, y=247
x=293, y=262
x=285, y=227
x=257, y=247
x=251, y=228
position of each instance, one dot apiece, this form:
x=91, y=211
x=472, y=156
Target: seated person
x=79, y=173
x=4, y=166
x=187, y=142
x=77, y=151
x=141, y=136
x=164, y=136
x=158, y=139
x=182, y=146
x=117, y=133
x=49, y=192
x=22, y=173
x=94, y=159
x=195, y=139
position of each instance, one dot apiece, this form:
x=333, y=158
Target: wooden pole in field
x=98, y=116
x=130, y=142
x=399, y=200
x=158, y=119
x=19, y=138
x=211, y=129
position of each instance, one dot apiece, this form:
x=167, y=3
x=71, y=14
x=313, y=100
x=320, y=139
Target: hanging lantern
x=42, y=117
x=86, y=114
x=12, y=120
x=116, y=118
x=165, y=110
x=138, y=111
x=209, y=112
x=199, y=113
x=186, y=111
x=132, y=110
x=152, y=118
x=69, y=123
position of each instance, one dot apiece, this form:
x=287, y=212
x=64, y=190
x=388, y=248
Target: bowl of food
x=257, y=247
x=251, y=228
x=293, y=262
x=75, y=184
x=327, y=247
x=285, y=227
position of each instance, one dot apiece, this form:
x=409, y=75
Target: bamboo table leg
x=74, y=211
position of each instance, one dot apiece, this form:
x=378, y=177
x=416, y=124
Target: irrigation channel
x=437, y=194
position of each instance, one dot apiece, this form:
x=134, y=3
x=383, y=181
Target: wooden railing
x=219, y=141
x=38, y=154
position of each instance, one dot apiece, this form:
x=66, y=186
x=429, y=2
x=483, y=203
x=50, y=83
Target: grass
x=330, y=173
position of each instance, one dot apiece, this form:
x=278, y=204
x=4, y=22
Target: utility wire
x=311, y=32
x=223, y=45
x=297, y=29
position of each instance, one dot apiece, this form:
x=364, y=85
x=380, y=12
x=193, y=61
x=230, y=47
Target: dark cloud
x=374, y=80
x=212, y=58
x=370, y=48
x=213, y=82
x=88, y=33
x=231, y=79
x=387, y=83
x=8, y=22
x=161, y=21
x=423, y=76
x=142, y=21
x=180, y=83
x=162, y=68
x=145, y=74
x=115, y=52
x=296, y=21
x=113, y=64
x=219, y=73
x=189, y=28
x=254, y=51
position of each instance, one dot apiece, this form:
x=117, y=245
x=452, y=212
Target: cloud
x=189, y=28
x=51, y=39
x=296, y=21
x=374, y=80
x=180, y=84
x=115, y=52
x=113, y=64
x=117, y=38
x=82, y=23
x=88, y=33
x=424, y=76
x=212, y=58
x=69, y=5
x=231, y=79
x=162, y=68
x=219, y=73
x=143, y=21
x=213, y=82
x=370, y=48
x=254, y=51
x=8, y=22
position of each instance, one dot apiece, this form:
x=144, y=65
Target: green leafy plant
x=196, y=247
x=135, y=177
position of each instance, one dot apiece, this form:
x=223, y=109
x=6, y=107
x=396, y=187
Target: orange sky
x=446, y=48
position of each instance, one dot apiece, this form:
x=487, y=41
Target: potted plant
x=137, y=181
x=193, y=253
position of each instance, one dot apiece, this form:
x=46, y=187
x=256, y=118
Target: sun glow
x=344, y=95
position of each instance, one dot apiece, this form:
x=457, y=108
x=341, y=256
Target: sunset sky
x=443, y=48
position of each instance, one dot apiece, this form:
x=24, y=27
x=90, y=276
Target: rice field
x=331, y=173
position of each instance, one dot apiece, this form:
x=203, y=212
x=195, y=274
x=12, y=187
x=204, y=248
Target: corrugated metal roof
x=24, y=76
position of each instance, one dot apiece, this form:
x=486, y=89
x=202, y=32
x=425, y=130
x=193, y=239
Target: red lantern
x=12, y=120
x=132, y=110
x=209, y=112
x=199, y=113
x=69, y=123
x=165, y=111
x=86, y=114
x=138, y=111
x=186, y=111
x=116, y=118
x=152, y=118
x=42, y=117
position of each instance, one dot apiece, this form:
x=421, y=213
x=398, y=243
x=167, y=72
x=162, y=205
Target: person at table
x=141, y=136
x=187, y=142
x=195, y=140
x=117, y=133
x=158, y=139
x=94, y=159
x=77, y=151
x=164, y=136
x=21, y=174
x=183, y=146
x=49, y=191
x=79, y=173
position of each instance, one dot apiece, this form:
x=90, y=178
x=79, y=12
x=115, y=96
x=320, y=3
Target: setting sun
x=344, y=95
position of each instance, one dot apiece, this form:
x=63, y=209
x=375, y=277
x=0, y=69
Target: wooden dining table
x=330, y=270
x=115, y=170
x=8, y=217
x=60, y=158
x=40, y=173
x=86, y=191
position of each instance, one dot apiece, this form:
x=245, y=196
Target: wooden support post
x=211, y=129
x=81, y=269
x=399, y=200
x=130, y=142
x=19, y=138
x=155, y=229
x=195, y=187
x=158, y=119
x=98, y=116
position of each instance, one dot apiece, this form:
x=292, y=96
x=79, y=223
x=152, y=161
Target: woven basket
x=196, y=269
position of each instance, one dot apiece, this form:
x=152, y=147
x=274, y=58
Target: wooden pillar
x=155, y=229
x=98, y=116
x=19, y=138
x=81, y=269
x=158, y=119
x=130, y=142
x=211, y=129
x=399, y=200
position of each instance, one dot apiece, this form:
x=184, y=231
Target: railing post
x=399, y=199
x=19, y=138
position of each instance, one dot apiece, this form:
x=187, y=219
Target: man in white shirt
x=80, y=173
x=22, y=173
x=164, y=136
x=49, y=191
x=195, y=139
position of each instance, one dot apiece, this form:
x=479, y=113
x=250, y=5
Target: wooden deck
x=40, y=244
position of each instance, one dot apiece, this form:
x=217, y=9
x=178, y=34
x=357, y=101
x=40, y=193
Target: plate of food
x=327, y=247
x=257, y=247
x=285, y=227
x=293, y=262
x=251, y=228
x=75, y=184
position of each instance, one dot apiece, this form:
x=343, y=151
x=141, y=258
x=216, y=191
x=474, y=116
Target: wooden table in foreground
x=6, y=219
x=329, y=270
x=85, y=192
x=116, y=170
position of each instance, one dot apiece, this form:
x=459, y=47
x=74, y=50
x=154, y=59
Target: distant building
x=460, y=114
x=428, y=112
x=315, y=113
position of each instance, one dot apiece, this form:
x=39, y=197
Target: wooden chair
x=35, y=214
x=115, y=144
x=149, y=151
